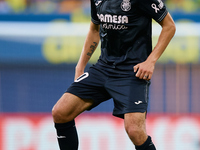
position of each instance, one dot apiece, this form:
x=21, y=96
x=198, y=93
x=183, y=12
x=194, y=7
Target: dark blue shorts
x=130, y=94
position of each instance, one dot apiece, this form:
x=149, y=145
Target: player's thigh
x=135, y=122
x=68, y=107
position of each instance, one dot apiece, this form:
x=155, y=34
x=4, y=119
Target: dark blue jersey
x=125, y=30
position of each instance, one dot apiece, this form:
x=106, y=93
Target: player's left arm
x=145, y=69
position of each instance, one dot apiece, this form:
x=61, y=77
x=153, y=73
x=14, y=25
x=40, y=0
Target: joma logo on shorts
x=137, y=103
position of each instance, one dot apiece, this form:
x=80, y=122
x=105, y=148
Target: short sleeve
x=94, y=17
x=155, y=9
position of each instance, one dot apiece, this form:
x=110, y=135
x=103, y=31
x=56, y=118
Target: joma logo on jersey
x=113, y=18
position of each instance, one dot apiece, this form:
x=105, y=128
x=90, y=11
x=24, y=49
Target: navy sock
x=148, y=145
x=67, y=135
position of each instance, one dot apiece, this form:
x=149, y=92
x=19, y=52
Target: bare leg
x=68, y=107
x=65, y=110
x=135, y=125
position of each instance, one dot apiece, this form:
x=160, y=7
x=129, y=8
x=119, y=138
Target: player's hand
x=144, y=70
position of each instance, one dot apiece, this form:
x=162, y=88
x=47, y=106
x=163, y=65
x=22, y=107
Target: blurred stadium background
x=40, y=43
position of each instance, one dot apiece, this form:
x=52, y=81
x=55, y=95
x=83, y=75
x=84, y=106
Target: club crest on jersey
x=126, y=5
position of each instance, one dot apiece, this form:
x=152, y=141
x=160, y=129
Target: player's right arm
x=90, y=45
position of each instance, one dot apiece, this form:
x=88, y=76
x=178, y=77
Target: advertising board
x=98, y=131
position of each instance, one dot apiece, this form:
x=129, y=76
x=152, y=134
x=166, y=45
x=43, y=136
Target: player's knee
x=135, y=133
x=59, y=117
x=56, y=115
x=133, y=130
